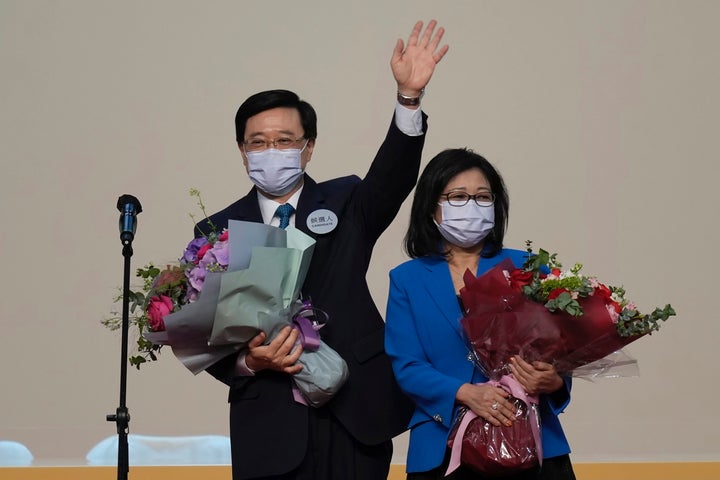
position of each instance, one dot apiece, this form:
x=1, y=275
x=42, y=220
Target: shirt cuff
x=409, y=121
x=241, y=368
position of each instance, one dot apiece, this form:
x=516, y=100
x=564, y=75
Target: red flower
x=556, y=272
x=203, y=250
x=556, y=293
x=158, y=308
x=519, y=278
x=602, y=291
x=224, y=236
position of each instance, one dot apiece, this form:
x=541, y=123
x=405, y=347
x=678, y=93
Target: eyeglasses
x=460, y=199
x=259, y=144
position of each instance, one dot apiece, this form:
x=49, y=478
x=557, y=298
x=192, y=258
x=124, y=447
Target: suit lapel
x=311, y=199
x=247, y=208
x=438, y=285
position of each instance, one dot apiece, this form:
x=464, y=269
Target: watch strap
x=410, y=101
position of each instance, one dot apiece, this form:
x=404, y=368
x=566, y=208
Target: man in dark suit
x=273, y=435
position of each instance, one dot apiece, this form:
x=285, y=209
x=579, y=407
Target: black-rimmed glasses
x=460, y=199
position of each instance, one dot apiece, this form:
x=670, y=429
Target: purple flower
x=191, y=251
x=221, y=252
x=191, y=295
x=215, y=258
x=196, y=277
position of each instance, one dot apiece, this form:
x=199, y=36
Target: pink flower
x=614, y=315
x=158, y=308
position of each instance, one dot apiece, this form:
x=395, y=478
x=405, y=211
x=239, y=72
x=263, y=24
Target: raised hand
x=413, y=64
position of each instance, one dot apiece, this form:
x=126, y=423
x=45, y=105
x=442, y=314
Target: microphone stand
x=122, y=416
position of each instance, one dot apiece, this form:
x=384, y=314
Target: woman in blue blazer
x=457, y=222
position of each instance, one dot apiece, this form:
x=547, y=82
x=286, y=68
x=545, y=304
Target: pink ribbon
x=508, y=383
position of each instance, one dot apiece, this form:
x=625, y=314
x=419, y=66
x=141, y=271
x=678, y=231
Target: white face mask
x=467, y=225
x=275, y=171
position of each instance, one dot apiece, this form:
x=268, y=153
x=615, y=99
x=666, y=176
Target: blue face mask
x=466, y=226
x=275, y=172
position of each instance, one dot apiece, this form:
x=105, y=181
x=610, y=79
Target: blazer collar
x=437, y=283
x=311, y=199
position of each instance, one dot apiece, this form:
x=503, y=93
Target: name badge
x=322, y=221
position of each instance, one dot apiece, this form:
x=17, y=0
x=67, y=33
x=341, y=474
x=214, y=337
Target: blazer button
x=437, y=418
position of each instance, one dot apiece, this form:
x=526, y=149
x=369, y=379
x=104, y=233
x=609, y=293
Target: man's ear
x=307, y=154
x=242, y=154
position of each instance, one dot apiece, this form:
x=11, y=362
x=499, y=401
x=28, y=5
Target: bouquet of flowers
x=539, y=312
x=226, y=288
x=168, y=290
x=544, y=312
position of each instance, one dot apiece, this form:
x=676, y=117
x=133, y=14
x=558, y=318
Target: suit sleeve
x=432, y=391
x=390, y=179
x=558, y=401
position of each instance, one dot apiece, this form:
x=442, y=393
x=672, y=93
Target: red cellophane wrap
x=501, y=322
x=498, y=451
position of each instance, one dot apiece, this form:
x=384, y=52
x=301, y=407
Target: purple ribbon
x=308, y=328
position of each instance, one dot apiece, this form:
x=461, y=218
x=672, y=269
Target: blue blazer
x=431, y=358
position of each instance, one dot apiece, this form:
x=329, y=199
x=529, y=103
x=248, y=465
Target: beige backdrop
x=602, y=117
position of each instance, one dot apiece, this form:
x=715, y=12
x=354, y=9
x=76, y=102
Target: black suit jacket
x=268, y=428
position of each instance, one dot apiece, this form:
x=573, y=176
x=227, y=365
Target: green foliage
x=137, y=315
x=563, y=290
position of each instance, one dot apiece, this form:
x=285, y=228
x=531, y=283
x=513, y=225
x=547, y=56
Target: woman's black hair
x=423, y=237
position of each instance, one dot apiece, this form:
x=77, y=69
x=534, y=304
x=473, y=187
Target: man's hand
x=413, y=64
x=281, y=354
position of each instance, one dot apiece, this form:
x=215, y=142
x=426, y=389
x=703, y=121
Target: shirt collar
x=268, y=207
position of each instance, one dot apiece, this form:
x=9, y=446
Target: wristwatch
x=410, y=101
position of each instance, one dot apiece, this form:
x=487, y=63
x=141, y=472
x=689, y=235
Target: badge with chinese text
x=322, y=221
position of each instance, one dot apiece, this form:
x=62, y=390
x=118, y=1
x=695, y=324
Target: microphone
x=129, y=207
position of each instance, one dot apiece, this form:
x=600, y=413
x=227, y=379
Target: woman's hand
x=413, y=64
x=535, y=377
x=488, y=402
x=280, y=355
